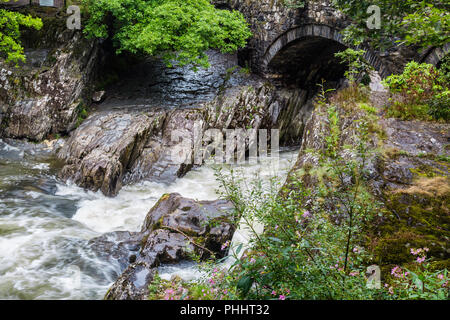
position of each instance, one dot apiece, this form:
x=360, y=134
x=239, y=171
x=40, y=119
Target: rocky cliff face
x=127, y=140
x=407, y=171
x=46, y=95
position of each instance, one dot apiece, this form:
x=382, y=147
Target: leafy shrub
x=439, y=106
x=408, y=111
x=178, y=30
x=10, y=24
x=416, y=84
x=420, y=282
x=444, y=70
x=356, y=63
x=420, y=92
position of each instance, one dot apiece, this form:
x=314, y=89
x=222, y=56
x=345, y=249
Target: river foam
x=45, y=224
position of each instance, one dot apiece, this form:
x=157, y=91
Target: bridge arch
x=307, y=46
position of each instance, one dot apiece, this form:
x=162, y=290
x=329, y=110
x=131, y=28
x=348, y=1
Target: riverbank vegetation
x=328, y=235
x=422, y=91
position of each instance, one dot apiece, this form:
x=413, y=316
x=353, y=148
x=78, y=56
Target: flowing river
x=45, y=224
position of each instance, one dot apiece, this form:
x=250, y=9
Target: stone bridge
x=298, y=45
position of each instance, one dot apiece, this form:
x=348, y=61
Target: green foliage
x=417, y=83
x=439, y=106
x=321, y=98
x=420, y=283
x=444, y=70
x=10, y=24
x=312, y=244
x=178, y=30
x=408, y=111
x=82, y=114
x=332, y=139
x=356, y=63
x=428, y=27
x=425, y=23
x=421, y=92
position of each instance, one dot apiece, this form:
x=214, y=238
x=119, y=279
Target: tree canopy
x=10, y=25
x=177, y=30
x=412, y=22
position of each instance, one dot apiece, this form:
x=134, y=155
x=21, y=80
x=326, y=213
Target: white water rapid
x=45, y=224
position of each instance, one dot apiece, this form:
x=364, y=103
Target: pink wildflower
x=225, y=245
x=398, y=272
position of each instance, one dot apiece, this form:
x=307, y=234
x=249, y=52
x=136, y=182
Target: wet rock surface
x=105, y=146
x=124, y=142
x=121, y=247
x=174, y=228
x=151, y=83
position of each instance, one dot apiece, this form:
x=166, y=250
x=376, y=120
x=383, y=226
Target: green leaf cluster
x=412, y=22
x=176, y=30
x=420, y=92
x=10, y=24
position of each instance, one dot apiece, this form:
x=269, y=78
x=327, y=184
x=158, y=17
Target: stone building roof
x=46, y=3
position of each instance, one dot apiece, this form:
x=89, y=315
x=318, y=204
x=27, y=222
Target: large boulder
x=102, y=150
x=174, y=229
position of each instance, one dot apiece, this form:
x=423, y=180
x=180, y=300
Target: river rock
x=98, y=96
x=173, y=230
x=105, y=146
x=192, y=218
x=118, y=247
